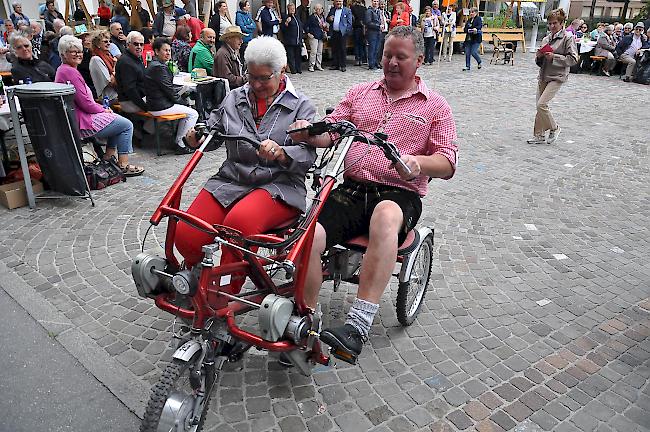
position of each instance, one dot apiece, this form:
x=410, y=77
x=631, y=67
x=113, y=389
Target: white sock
x=361, y=315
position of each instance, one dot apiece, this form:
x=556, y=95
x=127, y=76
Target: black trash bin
x=49, y=114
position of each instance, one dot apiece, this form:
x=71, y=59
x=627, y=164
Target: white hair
x=628, y=25
x=33, y=24
x=13, y=40
x=266, y=51
x=66, y=31
x=132, y=35
x=114, y=24
x=68, y=41
x=14, y=5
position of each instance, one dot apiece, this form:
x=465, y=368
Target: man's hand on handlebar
x=190, y=139
x=272, y=151
x=322, y=140
x=412, y=163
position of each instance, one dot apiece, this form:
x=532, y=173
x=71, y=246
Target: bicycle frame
x=222, y=302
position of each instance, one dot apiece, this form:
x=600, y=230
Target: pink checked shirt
x=419, y=123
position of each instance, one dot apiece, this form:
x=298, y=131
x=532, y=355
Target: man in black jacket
x=26, y=65
x=359, y=14
x=129, y=74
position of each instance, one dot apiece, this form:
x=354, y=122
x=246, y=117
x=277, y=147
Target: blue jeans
x=359, y=45
x=429, y=49
x=118, y=134
x=374, y=39
x=471, y=50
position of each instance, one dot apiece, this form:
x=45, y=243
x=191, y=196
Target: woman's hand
x=548, y=55
x=270, y=150
x=108, y=110
x=302, y=136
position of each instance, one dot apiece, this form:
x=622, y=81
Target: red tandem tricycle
x=275, y=263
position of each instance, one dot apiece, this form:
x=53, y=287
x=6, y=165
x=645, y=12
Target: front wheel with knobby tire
x=174, y=404
x=410, y=294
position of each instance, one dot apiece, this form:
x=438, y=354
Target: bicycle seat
x=284, y=226
x=409, y=244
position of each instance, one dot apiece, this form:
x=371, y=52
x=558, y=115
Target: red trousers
x=255, y=213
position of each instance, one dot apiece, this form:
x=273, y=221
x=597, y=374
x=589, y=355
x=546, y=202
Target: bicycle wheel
x=411, y=293
x=170, y=407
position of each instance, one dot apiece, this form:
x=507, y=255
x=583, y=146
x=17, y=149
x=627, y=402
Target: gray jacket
x=243, y=170
x=565, y=55
x=604, y=45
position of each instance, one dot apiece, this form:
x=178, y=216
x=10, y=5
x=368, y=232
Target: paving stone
x=557, y=410
x=460, y=419
x=508, y=392
x=456, y=396
x=476, y=410
x=503, y=420
x=518, y=411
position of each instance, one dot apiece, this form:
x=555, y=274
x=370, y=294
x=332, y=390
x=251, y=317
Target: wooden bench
x=156, y=119
x=505, y=34
x=597, y=62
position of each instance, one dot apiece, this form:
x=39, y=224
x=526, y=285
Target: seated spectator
x=646, y=44
x=574, y=27
x=84, y=67
x=5, y=56
x=618, y=33
x=120, y=15
x=18, y=14
x=181, y=47
x=147, y=50
x=605, y=47
x=117, y=39
x=201, y=54
x=94, y=120
x=63, y=30
x=102, y=67
x=165, y=22
x=104, y=14
x=597, y=32
x=129, y=74
x=245, y=21
x=26, y=65
x=48, y=37
x=37, y=38
x=162, y=96
x=227, y=63
x=582, y=31
x=628, y=48
x=195, y=25
x=9, y=29
x=627, y=29
x=50, y=15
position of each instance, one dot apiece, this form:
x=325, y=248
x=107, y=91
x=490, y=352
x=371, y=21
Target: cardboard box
x=14, y=195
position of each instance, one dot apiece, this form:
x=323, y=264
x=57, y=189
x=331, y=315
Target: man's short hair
x=628, y=25
x=114, y=24
x=132, y=35
x=15, y=40
x=410, y=33
x=65, y=30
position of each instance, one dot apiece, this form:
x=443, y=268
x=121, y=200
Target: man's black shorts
x=346, y=213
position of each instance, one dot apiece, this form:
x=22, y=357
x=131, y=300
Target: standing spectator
x=50, y=15
x=473, y=38
x=189, y=7
x=162, y=97
x=554, y=71
x=104, y=14
x=37, y=38
x=245, y=21
x=385, y=24
x=129, y=74
x=220, y=21
x=316, y=29
x=373, y=21
x=268, y=20
x=435, y=9
x=292, y=34
x=358, y=33
x=429, y=26
x=628, y=48
x=26, y=65
x=400, y=16
x=302, y=11
x=605, y=47
x=18, y=14
x=228, y=63
x=145, y=17
x=120, y=15
x=84, y=66
x=102, y=67
x=117, y=38
x=448, y=32
x=79, y=15
x=340, y=19
x=181, y=47
x=201, y=54
x=195, y=25
x=95, y=120
x=165, y=22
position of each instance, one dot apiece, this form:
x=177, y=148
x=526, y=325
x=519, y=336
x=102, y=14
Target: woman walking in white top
x=448, y=31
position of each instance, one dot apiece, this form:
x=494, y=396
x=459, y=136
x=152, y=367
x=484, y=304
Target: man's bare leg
x=314, y=278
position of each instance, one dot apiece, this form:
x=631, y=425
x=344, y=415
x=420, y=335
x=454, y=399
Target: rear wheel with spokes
x=411, y=293
x=174, y=406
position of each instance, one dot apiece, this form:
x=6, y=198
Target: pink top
x=90, y=115
x=419, y=123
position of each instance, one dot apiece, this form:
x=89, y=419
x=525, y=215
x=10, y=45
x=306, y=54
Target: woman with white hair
x=95, y=120
x=605, y=47
x=18, y=14
x=254, y=190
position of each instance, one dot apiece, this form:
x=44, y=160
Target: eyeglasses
x=75, y=52
x=23, y=46
x=137, y=43
x=260, y=79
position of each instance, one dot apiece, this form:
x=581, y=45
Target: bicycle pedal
x=344, y=355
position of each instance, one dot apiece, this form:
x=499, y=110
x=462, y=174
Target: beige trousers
x=610, y=61
x=544, y=119
x=315, y=52
x=630, y=62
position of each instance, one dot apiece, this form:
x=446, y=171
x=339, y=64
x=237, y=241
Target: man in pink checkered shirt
x=376, y=198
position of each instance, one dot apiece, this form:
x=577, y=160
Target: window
x=585, y=11
x=615, y=12
x=598, y=11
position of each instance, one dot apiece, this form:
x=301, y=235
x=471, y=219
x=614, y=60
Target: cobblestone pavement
x=538, y=313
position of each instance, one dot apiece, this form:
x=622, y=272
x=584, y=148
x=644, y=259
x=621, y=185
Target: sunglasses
x=137, y=43
x=22, y=46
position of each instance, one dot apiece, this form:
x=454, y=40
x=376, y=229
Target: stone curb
x=121, y=382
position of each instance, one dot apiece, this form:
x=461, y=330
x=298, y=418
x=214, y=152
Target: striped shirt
x=418, y=123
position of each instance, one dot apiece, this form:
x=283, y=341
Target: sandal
x=132, y=170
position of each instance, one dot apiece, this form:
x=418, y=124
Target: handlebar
x=379, y=139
